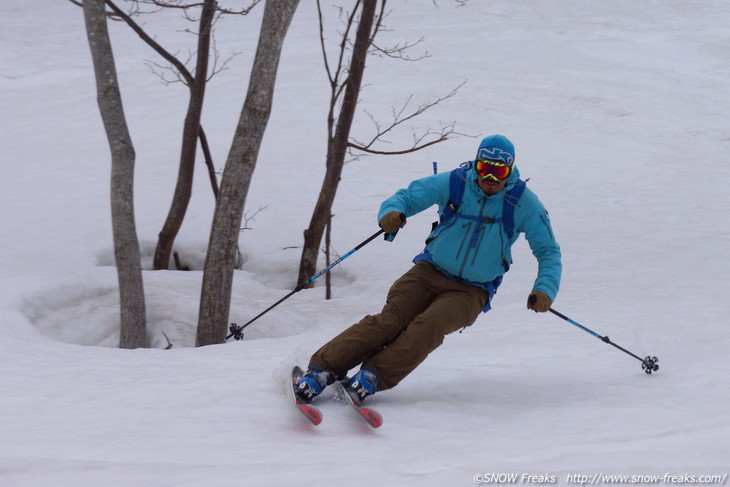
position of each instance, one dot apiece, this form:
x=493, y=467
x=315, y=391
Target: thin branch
x=321, y=42
x=400, y=117
x=153, y=44
x=399, y=51
x=378, y=22
x=110, y=15
x=247, y=218
x=341, y=66
x=446, y=134
x=337, y=86
x=169, y=343
x=179, y=4
x=215, y=69
x=178, y=263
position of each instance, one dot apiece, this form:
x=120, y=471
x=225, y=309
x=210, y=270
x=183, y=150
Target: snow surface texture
x=618, y=111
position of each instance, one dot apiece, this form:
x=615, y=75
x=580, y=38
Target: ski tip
x=312, y=413
x=373, y=418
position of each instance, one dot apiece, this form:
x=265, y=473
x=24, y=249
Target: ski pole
x=237, y=330
x=648, y=364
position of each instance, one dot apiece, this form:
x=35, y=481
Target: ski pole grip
x=391, y=236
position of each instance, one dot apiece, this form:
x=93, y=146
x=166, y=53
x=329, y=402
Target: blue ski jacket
x=474, y=251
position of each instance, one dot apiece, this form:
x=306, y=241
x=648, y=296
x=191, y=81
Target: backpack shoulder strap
x=457, y=183
x=511, y=199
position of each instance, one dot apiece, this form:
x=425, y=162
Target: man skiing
x=454, y=278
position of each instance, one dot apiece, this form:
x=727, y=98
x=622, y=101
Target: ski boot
x=363, y=384
x=312, y=383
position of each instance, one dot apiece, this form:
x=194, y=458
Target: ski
x=372, y=417
x=311, y=412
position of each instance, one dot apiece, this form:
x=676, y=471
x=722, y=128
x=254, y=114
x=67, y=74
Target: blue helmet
x=496, y=148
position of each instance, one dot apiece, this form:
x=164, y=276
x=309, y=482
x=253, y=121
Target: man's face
x=491, y=187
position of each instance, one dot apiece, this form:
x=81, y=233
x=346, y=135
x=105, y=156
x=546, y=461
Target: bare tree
x=338, y=136
x=181, y=72
x=215, y=297
x=126, y=246
x=184, y=187
x=192, y=128
x=345, y=94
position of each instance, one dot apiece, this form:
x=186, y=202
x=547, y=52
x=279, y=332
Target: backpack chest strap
x=479, y=219
x=451, y=211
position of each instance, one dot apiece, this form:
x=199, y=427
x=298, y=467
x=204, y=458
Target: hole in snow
x=87, y=313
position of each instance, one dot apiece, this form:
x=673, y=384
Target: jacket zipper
x=467, y=228
x=479, y=228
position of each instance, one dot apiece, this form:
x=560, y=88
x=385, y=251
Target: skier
x=454, y=278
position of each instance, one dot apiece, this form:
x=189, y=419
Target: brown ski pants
x=422, y=307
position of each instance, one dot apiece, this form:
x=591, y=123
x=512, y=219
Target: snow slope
x=618, y=112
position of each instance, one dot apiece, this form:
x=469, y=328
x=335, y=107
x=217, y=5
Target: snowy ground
x=619, y=114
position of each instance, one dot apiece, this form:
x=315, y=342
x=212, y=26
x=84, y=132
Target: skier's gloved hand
x=393, y=221
x=538, y=301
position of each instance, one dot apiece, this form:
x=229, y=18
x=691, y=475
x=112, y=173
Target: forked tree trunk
x=215, y=300
x=126, y=245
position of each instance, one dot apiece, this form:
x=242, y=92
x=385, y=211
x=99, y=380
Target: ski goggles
x=493, y=170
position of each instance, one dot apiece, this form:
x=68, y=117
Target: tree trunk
x=191, y=128
x=337, y=145
x=126, y=246
x=215, y=297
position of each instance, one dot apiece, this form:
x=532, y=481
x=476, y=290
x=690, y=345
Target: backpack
x=457, y=183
